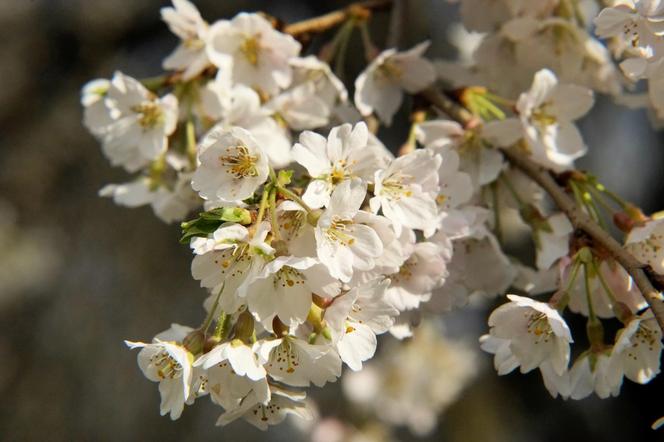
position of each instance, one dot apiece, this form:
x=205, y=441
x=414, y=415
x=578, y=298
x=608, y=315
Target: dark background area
x=79, y=274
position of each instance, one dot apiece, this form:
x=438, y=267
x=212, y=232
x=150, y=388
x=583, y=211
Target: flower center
x=631, y=32
x=405, y=271
x=291, y=222
x=288, y=277
x=286, y=358
x=167, y=367
x=151, y=114
x=233, y=262
x=390, y=70
x=195, y=44
x=395, y=188
x=338, y=231
x=644, y=336
x=542, y=117
x=337, y=175
x=239, y=162
x=538, y=325
x=250, y=48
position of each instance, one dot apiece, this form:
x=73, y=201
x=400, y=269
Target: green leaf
x=208, y=222
x=200, y=227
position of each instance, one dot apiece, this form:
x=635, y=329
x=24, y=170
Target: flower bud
x=194, y=341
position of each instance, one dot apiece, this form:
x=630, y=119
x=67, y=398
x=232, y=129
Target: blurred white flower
x=190, y=56
x=141, y=123
x=381, y=86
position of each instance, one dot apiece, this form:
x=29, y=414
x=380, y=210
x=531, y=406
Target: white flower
x=190, y=56
x=640, y=25
x=241, y=106
x=141, y=123
x=281, y=404
x=638, y=348
x=507, y=59
x=424, y=270
x=356, y=318
x=232, y=165
x=96, y=116
x=456, y=188
x=615, y=278
x=593, y=372
x=473, y=253
x=241, y=357
x=480, y=163
x=536, y=333
x=228, y=388
x=546, y=125
x=284, y=288
x=556, y=384
x=487, y=15
x=404, y=385
x=343, y=244
x=647, y=244
x=346, y=153
x=301, y=108
x=260, y=55
x=227, y=259
x=295, y=362
x=396, y=249
x=168, y=205
x=380, y=87
x=311, y=70
x=504, y=360
x=552, y=240
x=169, y=363
x=406, y=190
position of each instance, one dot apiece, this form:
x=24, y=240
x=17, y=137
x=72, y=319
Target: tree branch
x=578, y=218
x=324, y=22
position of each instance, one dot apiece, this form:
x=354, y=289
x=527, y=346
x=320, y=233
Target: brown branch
x=637, y=270
x=324, y=22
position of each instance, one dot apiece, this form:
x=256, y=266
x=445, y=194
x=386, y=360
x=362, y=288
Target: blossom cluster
x=636, y=33
x=312, y=238
x=304, y=267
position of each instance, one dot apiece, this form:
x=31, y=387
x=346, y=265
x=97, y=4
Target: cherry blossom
x=380, y=87
x=232, y=165
x=260, y=55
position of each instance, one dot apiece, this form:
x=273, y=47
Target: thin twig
x=637, y=270
x=324, y=22
x=397, y=20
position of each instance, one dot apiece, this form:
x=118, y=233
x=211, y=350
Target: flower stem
x=272, y=205
x=191, y=143
x=561, y=299
x=293, y=196
x=586, y=282
x=263, y=205
x=221, y=330
x=210, y=315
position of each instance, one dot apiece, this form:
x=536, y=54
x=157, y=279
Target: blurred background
x=79, y=274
